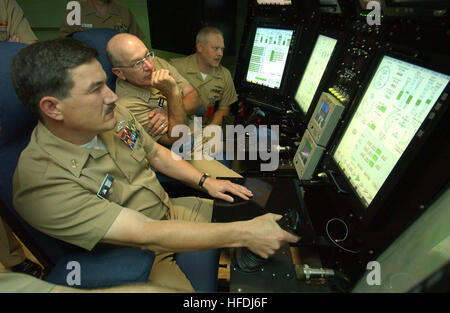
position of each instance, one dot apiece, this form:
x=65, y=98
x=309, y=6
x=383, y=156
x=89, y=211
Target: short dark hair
x=43, y=69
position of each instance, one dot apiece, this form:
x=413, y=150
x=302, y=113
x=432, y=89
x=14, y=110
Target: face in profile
x=137, y=63
x=89, y=107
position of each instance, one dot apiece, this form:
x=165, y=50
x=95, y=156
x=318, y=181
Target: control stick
x=246, y=261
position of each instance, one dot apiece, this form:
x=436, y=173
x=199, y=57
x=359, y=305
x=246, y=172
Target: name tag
x=105, y=187
x=87, y=25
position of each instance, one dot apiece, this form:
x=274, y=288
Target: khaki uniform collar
x=66, y=154
x=192, y=67
x=125, y=89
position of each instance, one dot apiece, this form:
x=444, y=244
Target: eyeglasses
x=138, y=65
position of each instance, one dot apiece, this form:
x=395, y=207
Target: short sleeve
x=50, y=200
x=19, y=24
x=229, y=93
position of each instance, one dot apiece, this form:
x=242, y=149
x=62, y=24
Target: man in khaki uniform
x=86, y=176
x=14, y=27
x=212, y=81
x=136, y=94
x=13, y=24
x=102, y=14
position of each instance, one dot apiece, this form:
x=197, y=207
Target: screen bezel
x=260, y=92
x=404, y=162
x=329, y=69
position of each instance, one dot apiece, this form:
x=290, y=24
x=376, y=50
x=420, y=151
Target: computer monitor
x=410, y=259
x=268, y=57
x=307, y=157
x=325, y=118
x=388, y=117
x=318, y=61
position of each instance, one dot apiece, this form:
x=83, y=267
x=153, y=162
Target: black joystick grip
x=290, y=221
x=248, y=262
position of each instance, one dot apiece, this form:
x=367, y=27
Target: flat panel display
x=268, y=58
x=307, y=157
x=325, y=118
x=395, y=104
x=318, y=61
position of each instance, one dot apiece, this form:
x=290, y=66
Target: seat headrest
x=98, y=38
x=15, y=120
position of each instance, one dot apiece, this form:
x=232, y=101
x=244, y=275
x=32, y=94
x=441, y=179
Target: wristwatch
x=202, y=179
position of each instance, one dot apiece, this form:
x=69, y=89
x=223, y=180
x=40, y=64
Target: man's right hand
x=265, y=236
x=163, y=81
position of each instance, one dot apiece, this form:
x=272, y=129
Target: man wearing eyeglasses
x=145, y=86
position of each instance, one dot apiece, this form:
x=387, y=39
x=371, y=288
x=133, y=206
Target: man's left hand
x=159, y=122
x=217, y=188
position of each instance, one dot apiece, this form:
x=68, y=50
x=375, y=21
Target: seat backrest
x=98, y=38
x=16, y=125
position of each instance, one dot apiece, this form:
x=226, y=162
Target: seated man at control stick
x=86, y=177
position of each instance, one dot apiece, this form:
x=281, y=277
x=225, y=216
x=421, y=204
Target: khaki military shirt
x=56, y=183
x=141, y=101
x=216, y=88
x=13, y=22
x=118, y=17
x=16, y=282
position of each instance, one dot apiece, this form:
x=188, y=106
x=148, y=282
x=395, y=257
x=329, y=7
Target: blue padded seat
x=129, y=265
x=98, y=38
